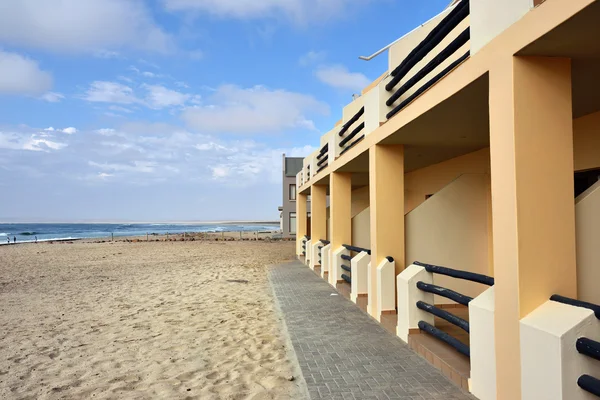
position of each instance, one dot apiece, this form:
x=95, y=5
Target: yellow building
x=478, y=151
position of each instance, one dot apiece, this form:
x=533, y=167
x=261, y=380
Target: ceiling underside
x=577, y=38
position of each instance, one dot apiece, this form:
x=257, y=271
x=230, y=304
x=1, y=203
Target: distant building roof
x=292, y=166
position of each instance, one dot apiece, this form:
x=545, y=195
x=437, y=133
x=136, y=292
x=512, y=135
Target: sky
x=162, y=110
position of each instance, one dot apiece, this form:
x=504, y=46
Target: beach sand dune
x=142, y=321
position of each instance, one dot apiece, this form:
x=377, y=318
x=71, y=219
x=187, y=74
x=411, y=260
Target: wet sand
x=168, y=320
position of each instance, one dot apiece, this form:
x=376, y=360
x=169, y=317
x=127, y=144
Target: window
x=293, y=192
x=293, y=222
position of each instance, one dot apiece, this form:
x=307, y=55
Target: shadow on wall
x=451, y=229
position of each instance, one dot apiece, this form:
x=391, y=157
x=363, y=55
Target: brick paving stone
x=345, y=354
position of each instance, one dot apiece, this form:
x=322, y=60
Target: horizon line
x=191, y=222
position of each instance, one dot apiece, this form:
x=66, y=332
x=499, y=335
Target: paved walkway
x=345, y=354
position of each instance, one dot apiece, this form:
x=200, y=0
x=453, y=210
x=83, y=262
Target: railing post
x=309, y=255
x=360, y=276
x=386, y=295
x=408, y=295
x=483, y=345
x=550, y=363
x=314, y=251
x=335, y=270
x=325, y=261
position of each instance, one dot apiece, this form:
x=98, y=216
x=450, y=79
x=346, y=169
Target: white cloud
x=149, y=74
x=145, y=167
x=311, y=58
x=106, y=132
x=155, y=96
x=161, y=97
x=91, y=26
x=22, y=75
x=339, y=77
x=30, y=142
x=299, y=11
x=253, y=110
x=69, y=131
x=210, y=146
x=52, y=97
x=110, y=92
x=104, y=175
x=143, y=154
x=120, y=109
x=220, y=172
x=50, y=129
x=101, y=53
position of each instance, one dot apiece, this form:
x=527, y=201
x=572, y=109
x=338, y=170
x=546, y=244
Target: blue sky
x=176, y=109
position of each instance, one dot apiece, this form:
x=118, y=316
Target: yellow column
x=340, y=207
x=531, y=139
x=318, y=213
x=386, y=187
x=300, y=221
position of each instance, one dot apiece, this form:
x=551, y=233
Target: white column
x=314, y=261
x=408, y=295
x=308, y=251
x=360, y=275
x=335, y=273
x=550, y=363
x=483, y=346
x=325, y=260
x=386, y=282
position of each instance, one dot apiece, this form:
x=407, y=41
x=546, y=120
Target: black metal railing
x=442, y=291
x=351, y=122
x=589, y=384
x=356, y=249
x=426, y=86
x=585, y=346
x=431, y=65
x=452, y=295
x=351, y=136
x=323, y=151
x=351, y=145
x=346, y=143
x=433, y=39
x=588, y=347
x=348, y=278
x=305, y=239
x=577, y=303
x=325, y=243
x=443, y=336
x=454, y=273
x=323, y=158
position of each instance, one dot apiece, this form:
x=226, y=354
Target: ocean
x=27, y=232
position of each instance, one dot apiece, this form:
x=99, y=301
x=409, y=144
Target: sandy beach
x=157, y=320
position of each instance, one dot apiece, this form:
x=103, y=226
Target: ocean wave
x=28, y=233
x=4, y=234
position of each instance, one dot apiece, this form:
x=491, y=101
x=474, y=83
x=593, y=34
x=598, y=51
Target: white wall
x=451, y=229
x=489, y=18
